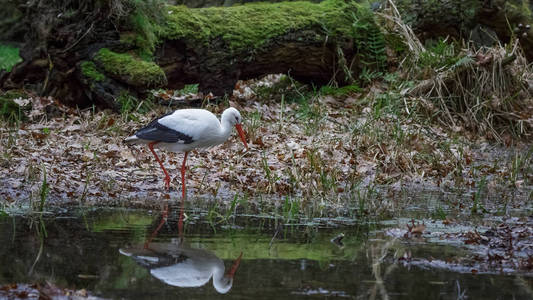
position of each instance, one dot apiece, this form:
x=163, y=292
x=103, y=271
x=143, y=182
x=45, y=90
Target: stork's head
x=223, y=284
x=233, y=117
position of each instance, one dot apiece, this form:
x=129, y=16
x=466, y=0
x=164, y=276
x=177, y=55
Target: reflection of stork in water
x=179, y=265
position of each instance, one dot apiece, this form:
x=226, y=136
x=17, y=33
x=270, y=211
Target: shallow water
x=104, y=252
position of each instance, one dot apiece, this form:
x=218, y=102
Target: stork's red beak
x=241, y=134
x=235, y=266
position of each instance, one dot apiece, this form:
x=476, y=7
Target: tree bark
x=59, y=34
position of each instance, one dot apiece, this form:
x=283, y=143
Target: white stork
x=186, y=129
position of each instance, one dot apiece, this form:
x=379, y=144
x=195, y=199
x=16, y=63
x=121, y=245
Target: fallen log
x=85, y=52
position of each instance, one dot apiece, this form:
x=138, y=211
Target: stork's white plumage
x=178, y=264
x=186, y=129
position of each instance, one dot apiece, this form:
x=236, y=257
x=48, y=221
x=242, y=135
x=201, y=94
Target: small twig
x=274, y=237
x=81, y=38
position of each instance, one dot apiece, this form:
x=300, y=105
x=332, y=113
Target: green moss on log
x=144, y=19
x=252, y=25
x=133, y=71
x=146, y=37
x=88, y=69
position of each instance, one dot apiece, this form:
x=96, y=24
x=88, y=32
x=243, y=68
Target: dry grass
x=483, y=90
x=487, y=92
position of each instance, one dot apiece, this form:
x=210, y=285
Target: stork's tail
x=132, y=140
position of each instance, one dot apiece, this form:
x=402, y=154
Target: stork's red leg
x=180, y=221
x=183, y=194
x=167, y=178
x=156, y=231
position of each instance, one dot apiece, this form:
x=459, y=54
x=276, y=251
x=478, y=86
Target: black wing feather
x=155, y=131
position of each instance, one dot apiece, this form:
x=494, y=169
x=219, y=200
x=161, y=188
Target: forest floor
x=329, y=150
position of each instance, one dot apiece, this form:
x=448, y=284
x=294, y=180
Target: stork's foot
x=164, y=215
x=180, y=221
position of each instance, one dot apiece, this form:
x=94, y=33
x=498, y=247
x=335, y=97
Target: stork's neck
x=225, y=128
x=221, y=282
